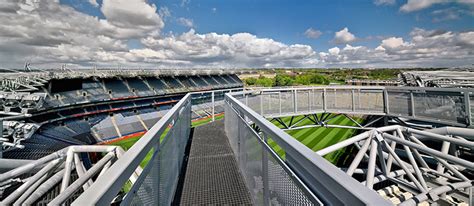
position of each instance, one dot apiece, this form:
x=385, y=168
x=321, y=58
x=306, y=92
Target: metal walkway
x=212, y=174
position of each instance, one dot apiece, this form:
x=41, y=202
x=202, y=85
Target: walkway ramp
x=212, y=174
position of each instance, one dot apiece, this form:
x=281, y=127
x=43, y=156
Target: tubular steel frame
x=317, y=177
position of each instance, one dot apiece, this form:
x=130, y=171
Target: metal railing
x=453, y=106
x=158, y=181
x=300, y=177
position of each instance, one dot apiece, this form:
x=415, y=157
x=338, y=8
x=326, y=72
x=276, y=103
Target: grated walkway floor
x=212, y=175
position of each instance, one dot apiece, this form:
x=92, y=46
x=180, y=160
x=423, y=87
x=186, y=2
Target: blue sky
x=379, y=33
x=287, y=20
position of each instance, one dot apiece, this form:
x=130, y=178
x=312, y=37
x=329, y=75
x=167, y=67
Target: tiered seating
x=172, y=82
x=220, y=79
x=211, y=80
x=189, y=84
x=157, y=84
x=94, y=90
x=140, y=87
x=199, y=81
x=235, y=78
x=117, y=87
x=71, y=97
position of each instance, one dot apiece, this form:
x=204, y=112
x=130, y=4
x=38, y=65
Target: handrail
x=462, y=98
x=104, y=189
x=330, y=184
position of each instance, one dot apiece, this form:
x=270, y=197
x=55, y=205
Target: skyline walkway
x=212, y=174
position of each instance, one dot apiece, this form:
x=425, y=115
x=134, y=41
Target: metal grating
x=212, y=175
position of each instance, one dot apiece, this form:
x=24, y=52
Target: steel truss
x=57, y=168
x=427, y=181
x=322, y=121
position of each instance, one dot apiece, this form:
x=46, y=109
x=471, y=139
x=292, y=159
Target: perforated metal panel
x=160, y=176
x=443, y=106
x=399, y=103
x=283, y=191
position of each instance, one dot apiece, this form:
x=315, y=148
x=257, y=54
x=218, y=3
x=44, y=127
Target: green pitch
x=317, y=138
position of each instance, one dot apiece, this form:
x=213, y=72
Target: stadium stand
x=87, y=109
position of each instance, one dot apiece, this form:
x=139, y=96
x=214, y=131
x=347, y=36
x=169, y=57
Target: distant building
x=367, y=82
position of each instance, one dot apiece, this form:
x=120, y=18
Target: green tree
x=284, y=80
x=250, y=81
x=264, y=82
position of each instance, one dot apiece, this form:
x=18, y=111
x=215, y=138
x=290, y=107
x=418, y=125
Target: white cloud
x=344, y=36
x=416, y=5
x=334, y=51
x=71, y=37
x=392, y=43
x=312, y=33
x=384, y=2
x=214, y=10
x=132, y=14
x=94, y=3
x=241, y=49
x=164, y=12
x=186, y=22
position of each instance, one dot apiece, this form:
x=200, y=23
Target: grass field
x=317, y=138
x=128, y=142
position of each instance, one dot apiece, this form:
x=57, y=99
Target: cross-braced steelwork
x=58, y=168
x=423, y=170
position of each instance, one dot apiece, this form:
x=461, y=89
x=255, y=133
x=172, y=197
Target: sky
x=236, y=33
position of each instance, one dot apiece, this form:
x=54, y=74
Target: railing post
x=246, y=100
x=385, y=101
x=324, y=100
x=309, y=100
x=213, y=107
x=266, y=187
x=467, y=104
x=353, y=99
x=412, y=104
x=295, y=107
x=279, y=100
x=261, y=103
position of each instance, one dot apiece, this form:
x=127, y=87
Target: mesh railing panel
x=369, y=100
x=471, y=97
x=232, y=132
x=342, y=99
x=250, y=162
x=317, y=101
x=399, y=103
x=253, y=156
x=282, y=189
x=253, y=101
x=442, y=106
x=302, y=100
x=148, y=193
x=271, y=103
x=287, y=105
x=163, y=169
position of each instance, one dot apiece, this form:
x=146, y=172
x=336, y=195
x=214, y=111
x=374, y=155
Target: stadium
x=200, y=137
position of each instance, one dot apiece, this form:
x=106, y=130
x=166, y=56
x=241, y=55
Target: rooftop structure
x=414, y=148
x=441, y=78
